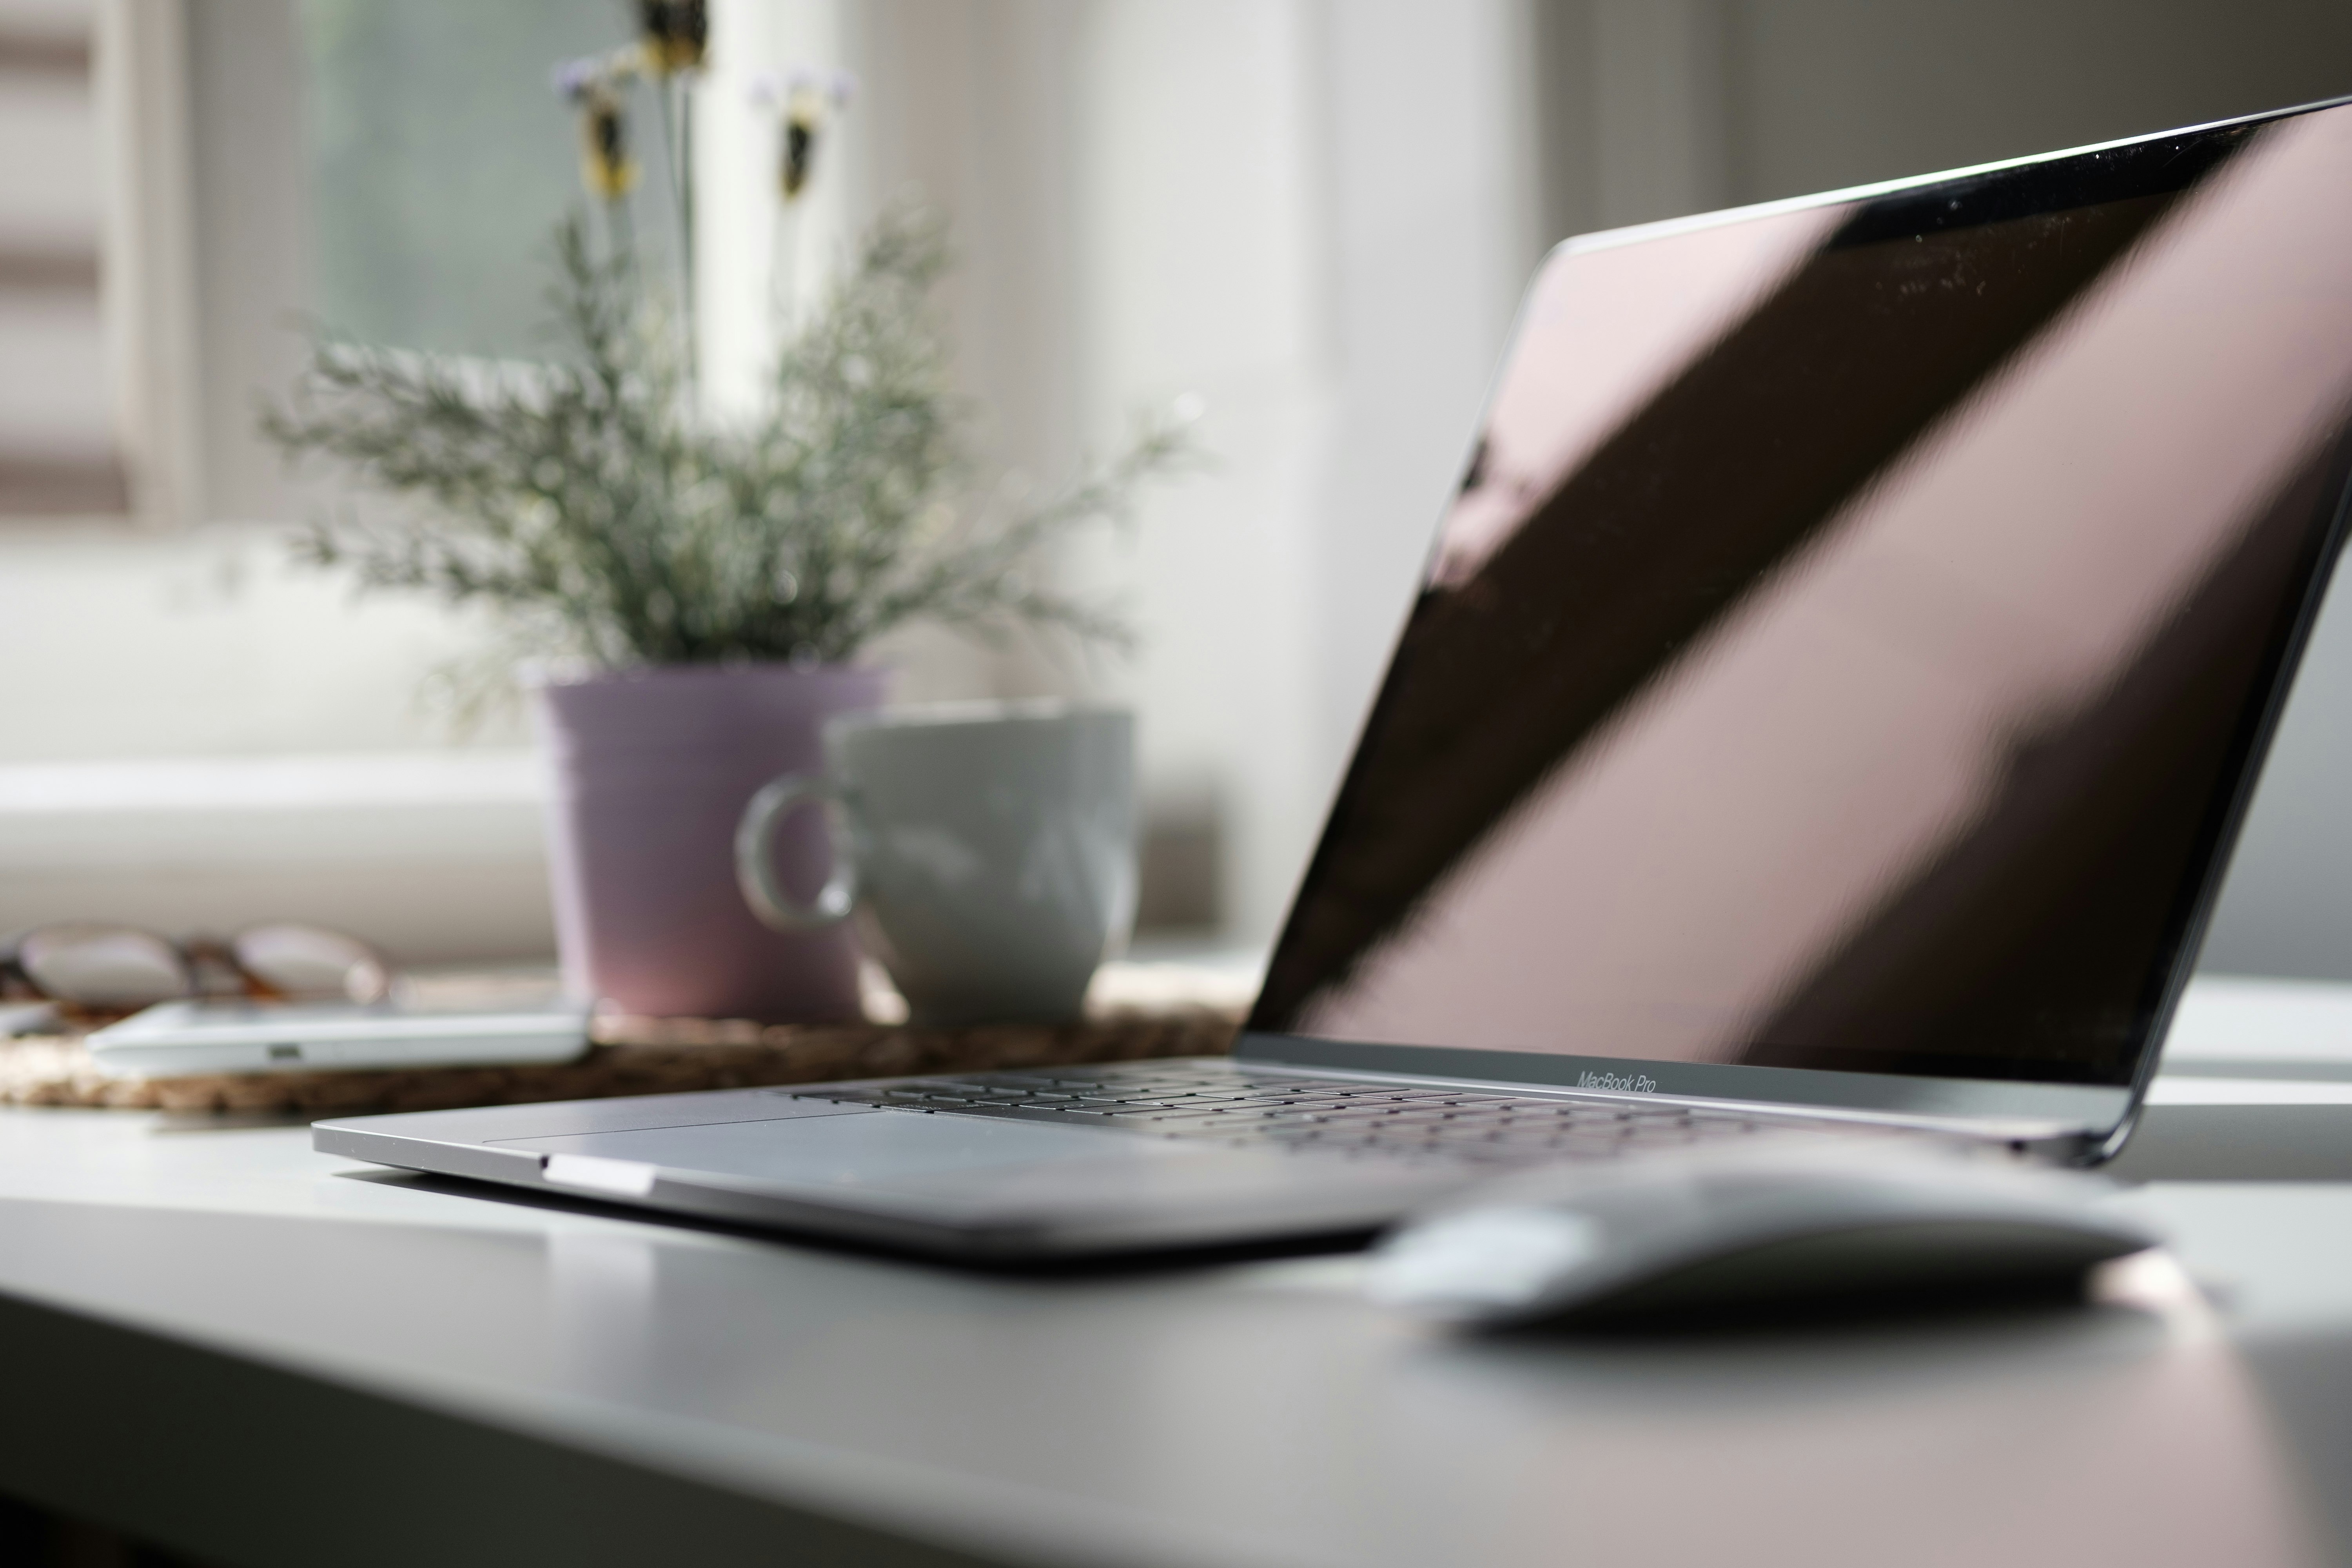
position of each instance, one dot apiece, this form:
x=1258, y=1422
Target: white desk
x=2257, y=1084
x=220, y=1341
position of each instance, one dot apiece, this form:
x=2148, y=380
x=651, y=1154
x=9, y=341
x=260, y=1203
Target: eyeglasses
x=119, y=969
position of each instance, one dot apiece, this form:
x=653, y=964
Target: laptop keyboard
x=1236, y=1107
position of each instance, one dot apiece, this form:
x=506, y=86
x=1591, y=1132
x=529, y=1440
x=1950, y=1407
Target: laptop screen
x=1853, y=637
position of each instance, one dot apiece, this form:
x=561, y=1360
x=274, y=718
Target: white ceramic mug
x=987, y=852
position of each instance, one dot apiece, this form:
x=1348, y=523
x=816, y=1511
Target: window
x=58, y=453
x=439, y=158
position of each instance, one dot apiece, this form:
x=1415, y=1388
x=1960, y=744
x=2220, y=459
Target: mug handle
x=755, y=867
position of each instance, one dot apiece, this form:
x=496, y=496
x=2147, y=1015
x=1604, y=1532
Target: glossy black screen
x=1857, y=626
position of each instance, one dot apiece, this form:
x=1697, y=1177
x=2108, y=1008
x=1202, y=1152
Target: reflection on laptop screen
x=1848, y=642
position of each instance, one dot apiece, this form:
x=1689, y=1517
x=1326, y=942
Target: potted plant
x=698, y=592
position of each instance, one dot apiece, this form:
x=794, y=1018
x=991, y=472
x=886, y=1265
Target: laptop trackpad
x=883, y=1151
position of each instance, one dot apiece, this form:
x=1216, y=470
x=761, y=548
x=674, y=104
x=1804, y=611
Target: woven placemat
x=1147, y=1011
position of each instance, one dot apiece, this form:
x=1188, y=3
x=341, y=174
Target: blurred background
x=1314, y=215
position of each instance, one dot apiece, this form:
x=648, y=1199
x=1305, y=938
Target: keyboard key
x=1383, y=1122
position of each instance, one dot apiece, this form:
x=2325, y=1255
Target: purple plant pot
x=652, y=771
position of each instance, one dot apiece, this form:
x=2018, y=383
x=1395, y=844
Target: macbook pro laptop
x=1830, y=701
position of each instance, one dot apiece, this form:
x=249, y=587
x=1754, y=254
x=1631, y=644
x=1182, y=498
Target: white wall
x=1313, y=217
x=1435, y=224
x=1201, y=222
x=1317, y=218
x=208, y=643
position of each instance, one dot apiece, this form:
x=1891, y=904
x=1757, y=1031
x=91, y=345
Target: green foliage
x=581, y=500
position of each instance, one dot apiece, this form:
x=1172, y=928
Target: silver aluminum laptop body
x=1832, y=696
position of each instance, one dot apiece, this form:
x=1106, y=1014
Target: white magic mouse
x=1765, y=1222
